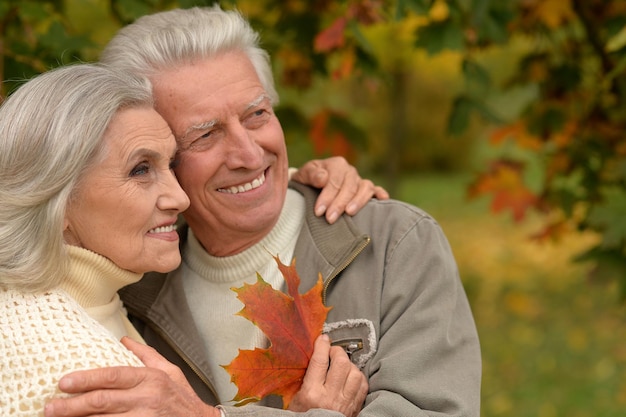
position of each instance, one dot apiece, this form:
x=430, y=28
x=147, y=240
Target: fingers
x=350, y=197
x=148, y=355
x=380, y=193
x=158, y=389
x=312, y=173
x=102, y=391
x=347, y=381
x=339, y=370
x=127, y=391
x=318, y=365
x=331, y=382
x=151, y=358
x=365, y=192
x=355, y=389
x=143, y=352
x=120, y=377
x=338, y=194
x=338, y=180
x=341, y=184
x=88, y=404
x=342, y=188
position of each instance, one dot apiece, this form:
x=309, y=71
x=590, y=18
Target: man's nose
x=243, y=149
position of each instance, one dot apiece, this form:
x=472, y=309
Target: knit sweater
x=46, y=335
x=208, y=282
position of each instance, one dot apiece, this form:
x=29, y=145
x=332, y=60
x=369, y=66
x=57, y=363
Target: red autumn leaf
x=331, y=37
x=291, y=322
x=366, y=12
x=504, y=181
x=327, y=139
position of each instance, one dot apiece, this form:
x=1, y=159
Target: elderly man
x=399, y=307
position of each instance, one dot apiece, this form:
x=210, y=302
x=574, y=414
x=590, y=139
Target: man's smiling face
x=233, y=158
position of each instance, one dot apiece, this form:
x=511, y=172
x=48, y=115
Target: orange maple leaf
x=518, y=132
x=345, y=67
x=504, y=181
x=554, y=231
x=291, y=322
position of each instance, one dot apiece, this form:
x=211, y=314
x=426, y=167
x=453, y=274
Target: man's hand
x=340, y=387
x=342, y=187
x=159, y=389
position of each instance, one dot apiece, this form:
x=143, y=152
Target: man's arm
x=161, y=389
x=428, y=360
x=343, y=190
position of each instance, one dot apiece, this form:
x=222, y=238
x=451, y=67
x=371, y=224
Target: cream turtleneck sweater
x=208, y=283
x=47, y=335
x=93, y=281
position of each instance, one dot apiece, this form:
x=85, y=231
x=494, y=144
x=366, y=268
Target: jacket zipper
x=343, y=266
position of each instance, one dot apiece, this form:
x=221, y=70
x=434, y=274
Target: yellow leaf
x=553, y=13
x=439, y=11
x=617, y=42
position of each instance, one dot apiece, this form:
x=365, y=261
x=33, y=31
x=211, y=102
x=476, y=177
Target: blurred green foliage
x=415, y=84
x=549, y=348
x=398, y=86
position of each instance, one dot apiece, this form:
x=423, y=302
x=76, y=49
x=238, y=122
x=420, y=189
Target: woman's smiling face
x=126, y=204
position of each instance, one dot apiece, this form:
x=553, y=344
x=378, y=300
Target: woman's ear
x=68, y=236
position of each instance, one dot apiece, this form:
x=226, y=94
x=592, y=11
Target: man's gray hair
x=51, y=131
x=168, y=39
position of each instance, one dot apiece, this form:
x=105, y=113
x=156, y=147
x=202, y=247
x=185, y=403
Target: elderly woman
x=89, y=204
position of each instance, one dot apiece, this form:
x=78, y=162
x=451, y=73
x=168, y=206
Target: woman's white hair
x=51, y=131
x=172, y=38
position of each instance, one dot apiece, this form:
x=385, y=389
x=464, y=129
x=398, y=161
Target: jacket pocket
x=356, y=336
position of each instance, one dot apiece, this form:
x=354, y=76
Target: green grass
x=553, y=343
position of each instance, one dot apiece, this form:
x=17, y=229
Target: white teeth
x=256, y=183
x=163, y=229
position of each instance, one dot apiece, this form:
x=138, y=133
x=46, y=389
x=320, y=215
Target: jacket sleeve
x=255, y=411
x=428, y=359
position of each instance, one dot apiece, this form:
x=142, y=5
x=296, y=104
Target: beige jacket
x=398, y=308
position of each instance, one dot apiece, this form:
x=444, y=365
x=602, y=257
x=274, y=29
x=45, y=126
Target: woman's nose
x=173, y=197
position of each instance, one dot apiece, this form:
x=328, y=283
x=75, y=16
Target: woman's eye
x=140, y=169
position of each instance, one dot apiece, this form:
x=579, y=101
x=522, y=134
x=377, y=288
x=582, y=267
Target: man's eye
x=257, y=118
x=140, y=169
x=201, y=139
x=204, y=141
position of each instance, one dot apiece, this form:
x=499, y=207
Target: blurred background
x=504, y=119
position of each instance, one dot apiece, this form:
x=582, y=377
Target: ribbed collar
x=231, y=268
x=93, y=280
